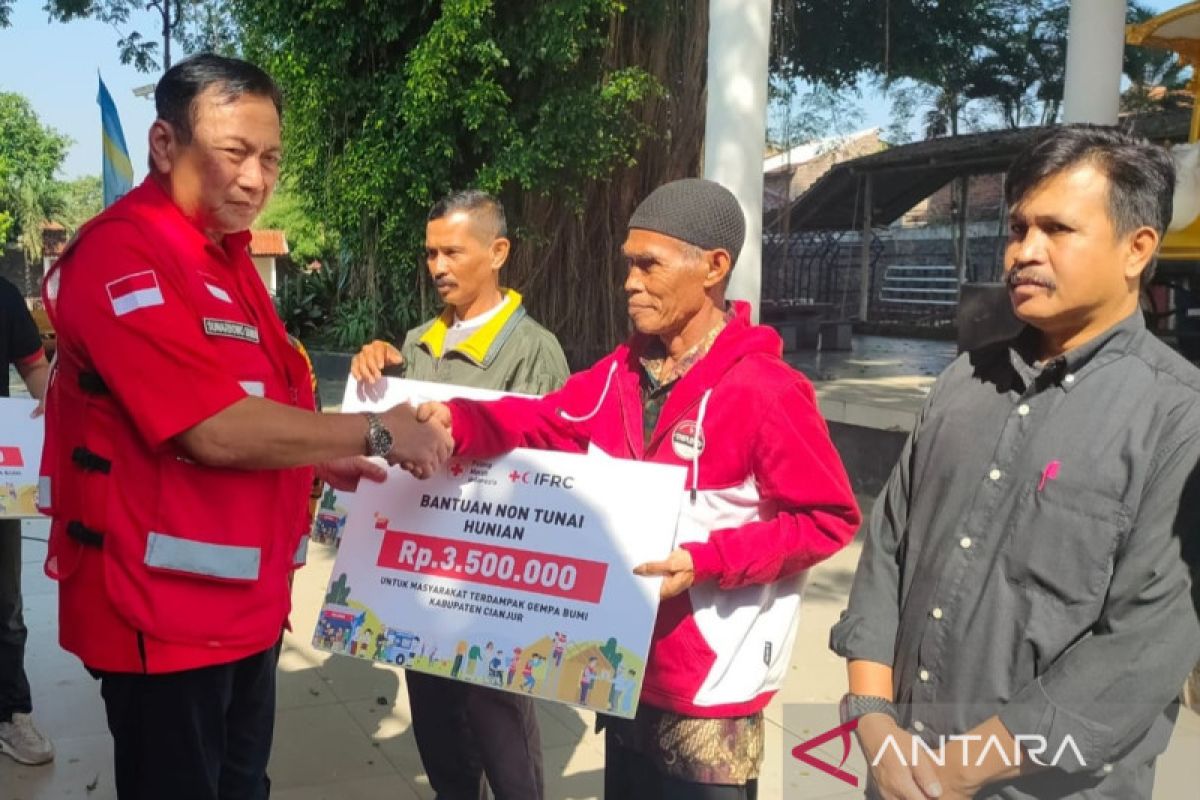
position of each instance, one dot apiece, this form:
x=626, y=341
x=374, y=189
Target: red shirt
x=195, y=560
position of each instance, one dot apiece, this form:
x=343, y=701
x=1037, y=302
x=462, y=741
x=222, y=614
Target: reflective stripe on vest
x=44, y=491
x=227, y=561
x=254, y=388
x=301, y=556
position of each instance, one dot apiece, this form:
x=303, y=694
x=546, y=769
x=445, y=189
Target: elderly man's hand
x=373, y=359
x=438, y=412
x=678, y=573
x=344, y=474
x=418, y=447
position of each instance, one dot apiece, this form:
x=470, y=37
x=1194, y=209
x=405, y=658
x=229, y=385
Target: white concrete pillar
x=1095, y=50
x=735, y=131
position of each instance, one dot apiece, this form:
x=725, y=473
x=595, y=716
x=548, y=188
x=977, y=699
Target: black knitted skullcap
x=699, y=212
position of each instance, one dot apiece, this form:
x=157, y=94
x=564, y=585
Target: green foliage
x=339, y=591
x=82, y=199
x=306, y=299
x=353, y=322
x=30, y=155
x=28, y=149
x=1158, y=80
x=949, y=63
x=196, y=25
x=934, y=56
x=308, y=239
x=390, y=106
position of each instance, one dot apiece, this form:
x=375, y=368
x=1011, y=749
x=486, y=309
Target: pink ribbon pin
x=1049, y=473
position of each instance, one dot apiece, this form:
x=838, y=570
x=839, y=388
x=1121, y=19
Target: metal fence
x=817, y=268
x=912, y=277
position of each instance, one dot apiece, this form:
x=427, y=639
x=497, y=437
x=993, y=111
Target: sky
x=54, y=65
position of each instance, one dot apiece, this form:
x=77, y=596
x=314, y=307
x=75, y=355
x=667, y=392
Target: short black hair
x=1141, y=175
x=478, y=204
x=177, y=90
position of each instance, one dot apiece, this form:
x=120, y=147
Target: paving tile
x=573, y=773
x=302, y=688
x=322, y=745
x=387, y=787
x=356, y=679
x=389, y=728
x=66, y=699
x=79, y=762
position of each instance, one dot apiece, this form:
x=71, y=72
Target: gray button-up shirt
x=1033, y=556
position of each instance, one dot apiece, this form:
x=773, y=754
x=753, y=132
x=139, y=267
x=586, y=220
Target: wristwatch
x=854, y=706
x=379, y=438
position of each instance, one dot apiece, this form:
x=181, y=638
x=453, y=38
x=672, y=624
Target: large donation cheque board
x=514, y=572
x=20, y=457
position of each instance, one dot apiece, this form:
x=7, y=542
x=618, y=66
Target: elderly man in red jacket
x=697, y=385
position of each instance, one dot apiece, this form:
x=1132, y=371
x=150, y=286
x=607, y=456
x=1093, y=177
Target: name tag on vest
x=231, y=329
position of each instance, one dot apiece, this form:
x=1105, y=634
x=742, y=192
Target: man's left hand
x=344, y=474
x=966, y=771
x=678, y=573
x=956, y=784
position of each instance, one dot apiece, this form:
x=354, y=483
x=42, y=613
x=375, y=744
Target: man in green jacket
x=484, y=339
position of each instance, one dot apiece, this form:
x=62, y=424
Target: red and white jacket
x=766, y=498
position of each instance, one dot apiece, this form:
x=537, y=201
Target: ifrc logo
x=11, y=457
x=542, y=479
x=456, y=468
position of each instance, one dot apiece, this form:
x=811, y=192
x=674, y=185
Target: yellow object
x=480, y=341
x=1177, y=30
x=27, y=500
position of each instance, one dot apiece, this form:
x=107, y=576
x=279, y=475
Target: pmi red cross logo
x=11, y=457
x=843, y=731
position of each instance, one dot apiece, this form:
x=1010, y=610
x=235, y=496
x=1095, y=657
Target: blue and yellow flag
x=118, y=169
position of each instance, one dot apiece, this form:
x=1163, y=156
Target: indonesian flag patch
x=139, y=290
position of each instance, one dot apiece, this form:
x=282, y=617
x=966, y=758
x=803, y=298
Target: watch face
x=378, y=437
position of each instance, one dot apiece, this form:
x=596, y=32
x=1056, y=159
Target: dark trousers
x=465, y=732
x=200, y=734
x=629, y=775
x=14, y=685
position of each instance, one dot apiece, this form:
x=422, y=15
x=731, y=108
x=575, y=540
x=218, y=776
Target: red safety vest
x=164, y=564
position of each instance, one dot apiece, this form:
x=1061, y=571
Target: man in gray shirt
x=1028, y=572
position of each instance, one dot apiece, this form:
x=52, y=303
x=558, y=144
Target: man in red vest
x=179, y=421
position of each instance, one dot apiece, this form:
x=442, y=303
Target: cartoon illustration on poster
x=20, y=457
x=514, y=573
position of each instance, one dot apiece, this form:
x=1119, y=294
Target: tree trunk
x=166, y=32
x=567, y=263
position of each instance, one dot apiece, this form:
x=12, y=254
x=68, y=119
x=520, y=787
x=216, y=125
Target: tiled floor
x=342, y=728
x=343, y=731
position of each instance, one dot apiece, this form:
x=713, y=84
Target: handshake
x=421, y=444
x=421, y=438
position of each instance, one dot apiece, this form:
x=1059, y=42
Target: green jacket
x=511, y=353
